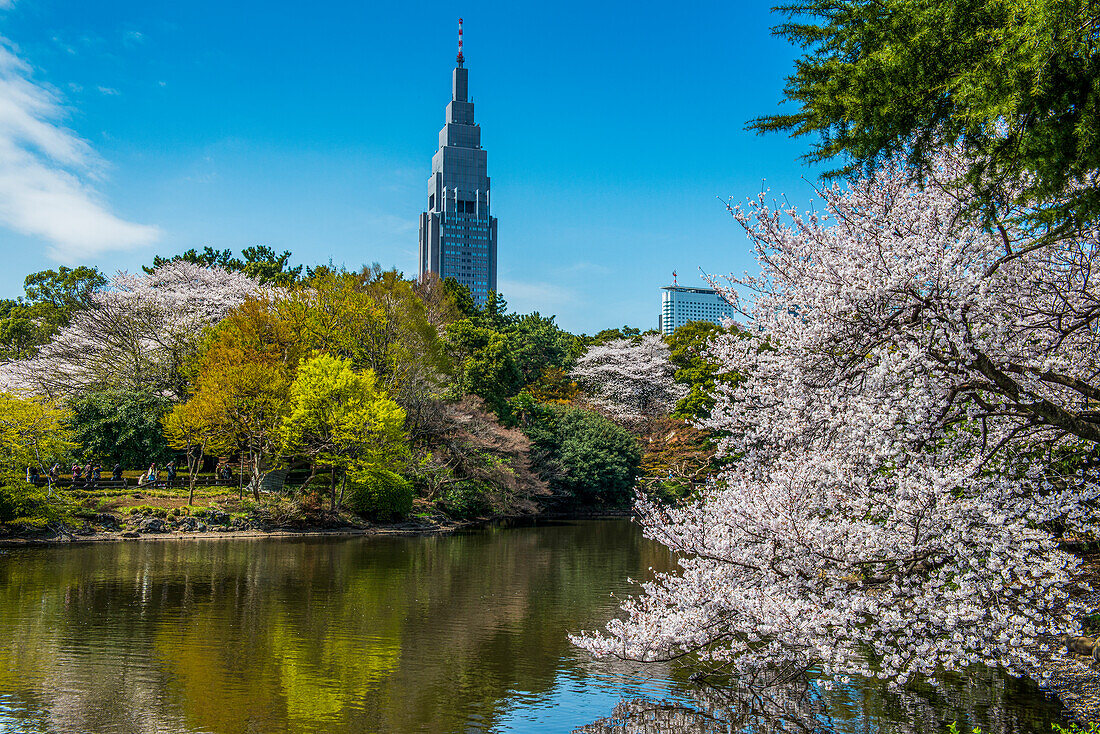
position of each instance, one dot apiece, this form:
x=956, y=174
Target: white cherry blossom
x=914, y=425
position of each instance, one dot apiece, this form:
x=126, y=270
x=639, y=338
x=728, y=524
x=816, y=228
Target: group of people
x=90, y=475
x=153, y=475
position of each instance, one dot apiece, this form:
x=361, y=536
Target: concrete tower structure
x=458, y=235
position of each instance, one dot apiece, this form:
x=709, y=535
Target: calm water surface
x=463, y=633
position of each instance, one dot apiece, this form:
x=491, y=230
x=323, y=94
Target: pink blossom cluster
x=136, y=333
x=915, y=423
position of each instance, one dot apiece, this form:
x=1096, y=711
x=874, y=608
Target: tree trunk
x=194, y=464
x=312, y=474
x=332, y=487
x=343, y=486
x=256, y=477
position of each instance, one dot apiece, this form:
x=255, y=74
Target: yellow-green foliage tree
x=32, y=434
x=376, y=319
x=242, y=387
x=190, y=427
x=339, y=418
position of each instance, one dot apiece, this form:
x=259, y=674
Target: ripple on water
x=444, y=634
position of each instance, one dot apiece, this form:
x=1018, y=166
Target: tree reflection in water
x=422, y=634
x=984, y=698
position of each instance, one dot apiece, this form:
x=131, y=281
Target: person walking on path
x=76, y=473
x=55, y=471
x=116, y=473
x=153, y=474
x=170, y=473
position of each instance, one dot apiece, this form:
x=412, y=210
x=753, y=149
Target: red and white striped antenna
x=460, y=58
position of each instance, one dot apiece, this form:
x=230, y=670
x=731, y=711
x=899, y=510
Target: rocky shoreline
x=112, y=528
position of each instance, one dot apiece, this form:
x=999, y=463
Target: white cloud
x=5, y=4
x=46, y=172
x=109, y=91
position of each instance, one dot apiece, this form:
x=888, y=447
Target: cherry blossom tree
x=136, y=334
x=916, y=425
x=630, y=378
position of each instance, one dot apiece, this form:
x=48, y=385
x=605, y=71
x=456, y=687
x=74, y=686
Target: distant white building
x=680, y=304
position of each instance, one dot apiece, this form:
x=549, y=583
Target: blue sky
x=614, y=133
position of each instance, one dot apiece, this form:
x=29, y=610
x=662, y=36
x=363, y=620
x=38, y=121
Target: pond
x=458, y=633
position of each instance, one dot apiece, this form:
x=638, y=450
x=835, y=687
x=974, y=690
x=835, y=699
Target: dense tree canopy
x=585, y=456
x=51, y=298
x=689, y=348
x=259, y=262
x=120, y=425
x=341, y=420
x=1013, y=83
x=358, y=377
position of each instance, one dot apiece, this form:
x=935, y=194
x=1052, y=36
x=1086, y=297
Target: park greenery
x=882, y=472
x=330, y=395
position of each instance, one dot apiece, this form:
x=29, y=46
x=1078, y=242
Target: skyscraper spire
x=458, y=233
x=460, y=57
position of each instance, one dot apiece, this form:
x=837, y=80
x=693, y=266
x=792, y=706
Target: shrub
x=25, y=503
x=380, y=495
x=147, y=510
x=585, y=455
x=466, y=500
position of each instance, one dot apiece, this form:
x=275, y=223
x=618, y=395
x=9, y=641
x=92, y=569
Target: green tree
x=259, y=261
x=1014, y=83
x=585, y=455
x=538, y=345
x=242, y=386
x=484, y=365
x=464, y=303
x=32, y=433
x=65, y=289
x=120, y=425
x=192, y=427
x=51, y=298
x=339, y=418
x=262, y=263
x=695, y=369
x=21, y=330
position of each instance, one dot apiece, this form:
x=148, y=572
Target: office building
x=458, y=234
x=680, y=304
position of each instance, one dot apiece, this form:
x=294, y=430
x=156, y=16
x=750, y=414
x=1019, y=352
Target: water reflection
x=445, y=634
x=982, y=698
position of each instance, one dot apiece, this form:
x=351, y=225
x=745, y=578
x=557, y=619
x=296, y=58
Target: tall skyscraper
x=458, y=236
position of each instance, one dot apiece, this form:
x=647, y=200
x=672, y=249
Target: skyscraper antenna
x=674, y=277
x=460, y=58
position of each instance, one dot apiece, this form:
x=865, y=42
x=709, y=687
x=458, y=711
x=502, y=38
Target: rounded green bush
x=380, y=494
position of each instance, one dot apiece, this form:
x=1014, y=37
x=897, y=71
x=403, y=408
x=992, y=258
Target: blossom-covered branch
x=135, y=334
x=914, y=421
